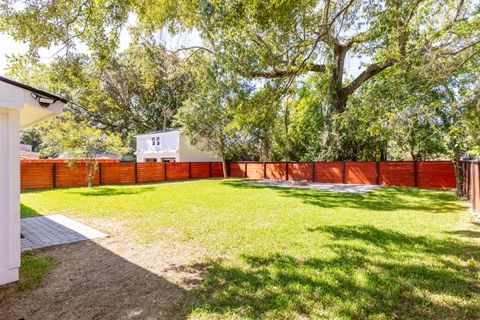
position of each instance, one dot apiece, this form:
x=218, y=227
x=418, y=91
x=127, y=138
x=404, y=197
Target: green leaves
x=78, y=140
x=65, y=24
x=273, y=80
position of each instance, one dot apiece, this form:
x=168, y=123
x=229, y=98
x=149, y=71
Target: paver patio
x=40, y=232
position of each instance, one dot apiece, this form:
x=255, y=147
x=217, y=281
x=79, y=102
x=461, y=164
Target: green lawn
x=294, y=253
x=33, y=269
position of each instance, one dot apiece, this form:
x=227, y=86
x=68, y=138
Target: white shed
x=20, y=107
x=169, y=146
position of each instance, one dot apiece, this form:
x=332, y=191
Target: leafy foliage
x=79, y=141
x=207, y=118
x=284, y=68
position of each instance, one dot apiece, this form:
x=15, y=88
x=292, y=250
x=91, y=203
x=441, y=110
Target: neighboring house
x=169, y=146
x=27, y=153
x=20, y=107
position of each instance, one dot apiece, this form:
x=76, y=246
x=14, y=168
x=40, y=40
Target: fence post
x=474, y=184
x=467, y=178
x=189, y=171
x=415, y=174
x=286, y=170
x=54, y=169
x=343, y=171
x=469, y=168
x=245, y=172
x=264, y=170
x=377, y=171
x=228, y=169
x=313, y=171
x=165, y=170
x=136, y=172
x=99, y=173
x=210, y=169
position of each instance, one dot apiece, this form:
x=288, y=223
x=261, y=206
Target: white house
x=169, y=146
x=27, y=153
x=20, y=107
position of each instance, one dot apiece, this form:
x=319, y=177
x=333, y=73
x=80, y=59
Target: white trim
x=10, y=198
x=17, y=109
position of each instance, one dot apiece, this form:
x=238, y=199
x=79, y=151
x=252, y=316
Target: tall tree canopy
x=307, y=102
x=278, y=39
x=134, y=91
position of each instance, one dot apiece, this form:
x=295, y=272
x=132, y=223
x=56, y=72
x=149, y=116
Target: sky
x=7, y=47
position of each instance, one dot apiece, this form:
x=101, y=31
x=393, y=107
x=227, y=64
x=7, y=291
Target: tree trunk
x=413, y=155
x=91, y=170
x=339, y=103
x=224, y=167
x=383, y=152
x=339, y=99
x=459, y=177
x=326, y=137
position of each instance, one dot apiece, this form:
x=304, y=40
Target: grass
x=296, y=253
x=33, y=269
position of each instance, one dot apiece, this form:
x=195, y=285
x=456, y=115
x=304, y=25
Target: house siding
x=172, y=145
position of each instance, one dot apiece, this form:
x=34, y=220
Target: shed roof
x=160, y=131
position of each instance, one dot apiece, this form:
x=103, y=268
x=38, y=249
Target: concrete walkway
x=45, y=231
x=336, y=187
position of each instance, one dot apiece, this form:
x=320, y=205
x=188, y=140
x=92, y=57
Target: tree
x=80, y=141
x=272, y=39
x=66, y=24
x=306, y=103
x=31, y=136
x=207, y=118
x=455, y=104
x=133, y=92
x=287, y=39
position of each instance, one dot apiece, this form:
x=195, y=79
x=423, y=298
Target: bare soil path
x=111, y=278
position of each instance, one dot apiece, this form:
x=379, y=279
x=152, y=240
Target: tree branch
x=371, y=71
x=191, y=48
x=288, y=72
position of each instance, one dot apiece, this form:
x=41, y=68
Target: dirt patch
x=111, y=278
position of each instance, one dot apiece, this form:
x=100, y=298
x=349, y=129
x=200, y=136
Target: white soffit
x=31, y=114
x=14, y=95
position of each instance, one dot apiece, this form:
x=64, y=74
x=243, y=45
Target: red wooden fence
x=425, y=174
x=65, y=160
x=422, y=174
x=471, y=183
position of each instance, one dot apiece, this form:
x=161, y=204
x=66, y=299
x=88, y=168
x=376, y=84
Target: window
x=153, y=141
x=158, y=141
x=168, y=159
x=150, y=159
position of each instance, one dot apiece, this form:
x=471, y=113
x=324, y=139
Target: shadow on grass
x=383, y=199
x=28, y=212
x=107, y=191
x=364, y=273
x=472, y=231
